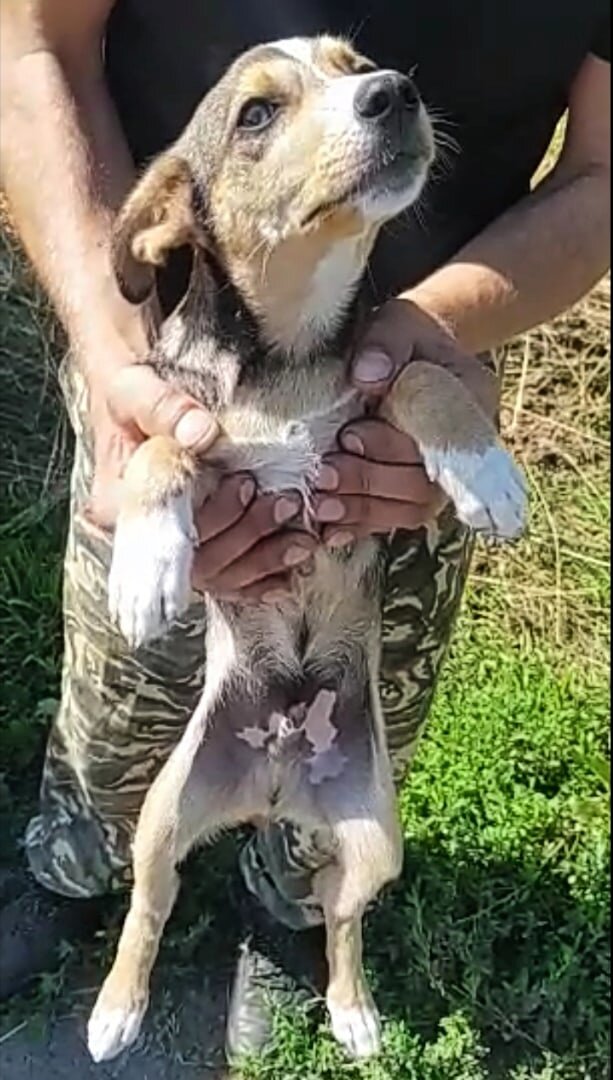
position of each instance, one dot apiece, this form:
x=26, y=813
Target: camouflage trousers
x=123, y=711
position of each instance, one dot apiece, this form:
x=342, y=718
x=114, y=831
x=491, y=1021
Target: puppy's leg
x=149, y=581
x=168, y=827
x=460, y=448
x=369, y=854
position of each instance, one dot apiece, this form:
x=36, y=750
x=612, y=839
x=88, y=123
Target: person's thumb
x=138, y=396
x=380, y=354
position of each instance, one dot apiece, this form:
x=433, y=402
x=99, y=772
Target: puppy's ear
x=157, y=216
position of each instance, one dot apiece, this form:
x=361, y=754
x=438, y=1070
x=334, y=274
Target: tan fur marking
x=274, y=80
x=158, y=470
x=432, y=406
x=336, y=56
x=157, y=216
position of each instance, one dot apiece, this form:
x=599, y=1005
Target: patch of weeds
x=455, y=1053
x=490, y=958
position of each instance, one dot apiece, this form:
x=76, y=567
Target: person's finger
x=269, y=590
x=265, y=516
x=104, y=502
x=138, y=396
x=379, y=441
x=374, y=515
x=276, y=555
x=113, y=447
x=344, y=474
x=373, y=369
x=225, y=507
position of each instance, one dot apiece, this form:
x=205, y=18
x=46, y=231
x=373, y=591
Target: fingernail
x=372, y=366
x=296, y=555
x=330, y=510
x=352, y=443
x=246, y=492
x=327, y=479
x=340, y=539
x=285, y=509
x=195, y=428
x=275, y=596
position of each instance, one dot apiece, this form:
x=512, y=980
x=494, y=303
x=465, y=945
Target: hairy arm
x=66, y=168
x=546, y=252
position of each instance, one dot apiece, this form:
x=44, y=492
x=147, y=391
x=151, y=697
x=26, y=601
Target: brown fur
x=157, y=217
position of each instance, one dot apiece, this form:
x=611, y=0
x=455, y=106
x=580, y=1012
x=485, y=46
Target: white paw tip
x=149, y=582
x=112, y=1030
x=357, y=1029
x=487, y=489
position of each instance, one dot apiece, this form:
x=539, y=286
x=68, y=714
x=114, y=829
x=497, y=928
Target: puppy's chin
x=391, y=196
x=376, y=195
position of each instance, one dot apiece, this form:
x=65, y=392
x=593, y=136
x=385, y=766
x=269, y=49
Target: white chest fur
x=263, y=436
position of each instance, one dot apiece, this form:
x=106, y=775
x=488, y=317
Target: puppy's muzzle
x=387, y=99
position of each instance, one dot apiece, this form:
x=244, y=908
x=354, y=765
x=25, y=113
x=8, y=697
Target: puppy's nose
x=383, y=94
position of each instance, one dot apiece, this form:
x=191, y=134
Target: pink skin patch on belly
x=325, y=761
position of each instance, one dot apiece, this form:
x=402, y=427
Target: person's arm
x=528, y=266
x=65, y=168
x=549, y=250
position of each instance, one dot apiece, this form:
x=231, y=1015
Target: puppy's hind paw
x=112, y=1029
x=487, y=489
x=357, y=1029
x=149, y=582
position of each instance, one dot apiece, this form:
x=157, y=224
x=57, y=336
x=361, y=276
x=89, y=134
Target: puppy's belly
x=281, y=754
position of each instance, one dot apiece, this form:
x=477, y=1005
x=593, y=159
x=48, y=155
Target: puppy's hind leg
x=122, y=1002
x=368, y=855
x=168, y=827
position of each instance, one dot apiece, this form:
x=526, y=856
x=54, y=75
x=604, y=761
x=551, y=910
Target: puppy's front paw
x=357, y=1029
x=149, y=582
x=487, y=489
x=114, y=1023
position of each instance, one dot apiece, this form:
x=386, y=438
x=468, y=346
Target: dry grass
x=554, y=587
x=555, y=584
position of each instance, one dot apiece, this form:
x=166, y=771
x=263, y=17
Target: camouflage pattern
x=122, y=712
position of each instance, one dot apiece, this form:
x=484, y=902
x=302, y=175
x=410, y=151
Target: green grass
x=491, y=957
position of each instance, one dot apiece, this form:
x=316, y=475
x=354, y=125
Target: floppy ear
x=158, y=215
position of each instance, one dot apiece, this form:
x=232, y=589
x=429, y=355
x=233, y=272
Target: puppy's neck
x=301, y=289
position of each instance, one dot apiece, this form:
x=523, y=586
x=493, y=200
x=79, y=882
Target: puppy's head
x=303, y=145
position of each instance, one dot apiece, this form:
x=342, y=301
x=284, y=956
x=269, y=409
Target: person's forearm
x=528, y=266
x=65, y=169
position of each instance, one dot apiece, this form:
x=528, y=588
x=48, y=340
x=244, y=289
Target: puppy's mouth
x=391, y=175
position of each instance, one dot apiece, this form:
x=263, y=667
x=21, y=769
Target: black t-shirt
x=497, y=74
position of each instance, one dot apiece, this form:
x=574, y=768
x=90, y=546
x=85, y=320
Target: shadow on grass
x=505, y=944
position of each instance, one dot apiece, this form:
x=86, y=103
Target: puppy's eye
x=257, y=114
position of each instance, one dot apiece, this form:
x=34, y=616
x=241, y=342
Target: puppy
x=280, y=184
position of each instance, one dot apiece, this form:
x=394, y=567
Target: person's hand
x=376, y=485
x=250, y=544
x=248, y=548
x=377, y=482
x=126, y=408
x=402, y=331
